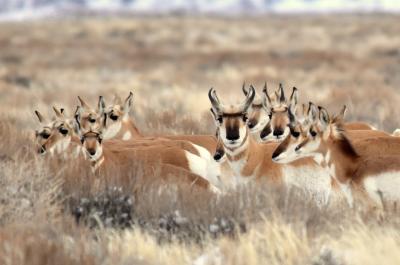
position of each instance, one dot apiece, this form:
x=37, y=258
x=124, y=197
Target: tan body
x=357, y=125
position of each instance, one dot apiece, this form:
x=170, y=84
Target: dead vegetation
x=52, y=213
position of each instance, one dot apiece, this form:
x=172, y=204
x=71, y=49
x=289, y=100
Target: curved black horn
x=249, y=98
x=212, y=95
x=282, y=92
x=245, y=92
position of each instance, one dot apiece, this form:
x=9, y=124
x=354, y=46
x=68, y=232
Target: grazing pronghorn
x=166, y=160
x=250, y=160
x=58, y=136
x=325, y=140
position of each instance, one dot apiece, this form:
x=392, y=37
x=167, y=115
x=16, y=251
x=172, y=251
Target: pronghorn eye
x=313, y=133
x=219, y=119
x=295, y=134
x=45, y=135
x=245, y=118
x=113, y=117
x=63, y=131
x=82, y=139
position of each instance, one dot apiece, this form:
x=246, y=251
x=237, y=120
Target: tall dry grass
x=54, y=212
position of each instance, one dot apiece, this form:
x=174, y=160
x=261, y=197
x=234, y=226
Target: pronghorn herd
x=265, y=138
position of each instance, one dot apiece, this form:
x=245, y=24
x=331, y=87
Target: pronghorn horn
x=294, y=96
x=58, y=112
x=267, y=99
x=292, y=117
x=245, y=91
x=40, y=117
x=212, y=95
x=249, y=98
x=83, y=103
x=282, y=98
x=101, y=106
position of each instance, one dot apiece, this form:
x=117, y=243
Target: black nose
x=92, y=152
x=233, y=135
x=218, y=155
x=278, y=132
x=92, y=120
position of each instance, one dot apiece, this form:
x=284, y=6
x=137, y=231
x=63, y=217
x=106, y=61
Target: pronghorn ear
x=293, y=99
x=282, y=98
x=59, y=113
x=101, y=105
x=266, y=101
x=342, y=113
x=83, y=103
x=323, y=116
x=40, y=117
x=312, y=112
x=291, y=114
x=128, y=103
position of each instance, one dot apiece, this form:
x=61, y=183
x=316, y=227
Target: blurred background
x=169, y=53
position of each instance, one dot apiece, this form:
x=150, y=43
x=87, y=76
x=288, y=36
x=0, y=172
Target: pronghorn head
x=299, y=128
x=119, y=110
x=258, y=115
x=92, y=143
x=87, y=117
x=232, y=119
x=316, y=136
x=54, y=137
x=277, y=129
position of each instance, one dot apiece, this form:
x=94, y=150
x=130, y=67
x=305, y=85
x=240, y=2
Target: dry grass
x=54, y=215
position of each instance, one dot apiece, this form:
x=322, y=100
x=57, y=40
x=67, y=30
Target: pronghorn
x=325, y=140
x=277, y=128
x=117, y=124
x=58, y=136
x=250, y=160
x=259, y=116
x=167, y=160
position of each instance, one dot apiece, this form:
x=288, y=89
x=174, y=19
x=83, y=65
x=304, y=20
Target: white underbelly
x=313, y=180
x=385, y=185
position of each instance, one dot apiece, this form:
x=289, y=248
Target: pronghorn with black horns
x=371, y=172
x=250, y=160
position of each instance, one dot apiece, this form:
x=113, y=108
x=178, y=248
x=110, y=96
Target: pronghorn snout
x=218, y=156
x=278, y=132
x=91, y=151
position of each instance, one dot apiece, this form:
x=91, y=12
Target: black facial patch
x=266, y=131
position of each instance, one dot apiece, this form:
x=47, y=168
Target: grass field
x=49, y=213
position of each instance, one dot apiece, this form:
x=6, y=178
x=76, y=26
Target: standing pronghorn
x=325, y=140
x=250, y=160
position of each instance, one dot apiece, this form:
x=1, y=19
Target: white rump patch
x=197, y=165
x=202, y=152
x=127, y=136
